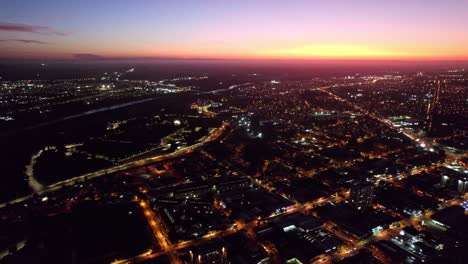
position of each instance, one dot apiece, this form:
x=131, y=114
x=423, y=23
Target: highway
x=425, y=143
x=167, y=247
x=249, y=227
x=215, y=135
x=170, y=249
x=159, y=231
x=352, y=245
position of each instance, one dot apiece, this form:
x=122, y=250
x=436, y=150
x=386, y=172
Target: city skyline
x=298, y=30
x=234, y=132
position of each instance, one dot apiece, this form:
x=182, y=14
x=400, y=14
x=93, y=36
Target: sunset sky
x=312, y=29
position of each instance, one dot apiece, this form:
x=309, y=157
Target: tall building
x=361, y=194
x=462, y=185
x=457, y=182
x=443, y=180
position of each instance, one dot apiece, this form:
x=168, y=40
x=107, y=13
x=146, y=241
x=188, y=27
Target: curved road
x=133, y=164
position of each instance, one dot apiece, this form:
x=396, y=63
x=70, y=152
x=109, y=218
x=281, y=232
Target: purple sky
x=320, y=29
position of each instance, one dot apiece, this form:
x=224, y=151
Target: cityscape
x=223, y=152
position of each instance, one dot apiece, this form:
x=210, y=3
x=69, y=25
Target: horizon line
x=98, y=58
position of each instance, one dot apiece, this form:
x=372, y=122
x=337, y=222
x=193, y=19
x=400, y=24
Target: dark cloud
x=87, y=56
x=26, y=41
x=30, y=29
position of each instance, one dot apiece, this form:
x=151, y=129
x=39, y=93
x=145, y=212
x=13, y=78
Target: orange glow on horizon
x=333, y=51
x=311, y=52
x=322, y=52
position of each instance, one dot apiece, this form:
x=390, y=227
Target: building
x=213, y=252
x=462, y=185
x=196, y=190
x=443, y=180
x=361, y=194
x=232, y=184
x=418, y=245
x=456, y=182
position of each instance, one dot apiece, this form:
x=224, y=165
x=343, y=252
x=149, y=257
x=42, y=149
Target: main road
x=129, y=165
x=353, y=245
x=425, y=143
x=171, y=249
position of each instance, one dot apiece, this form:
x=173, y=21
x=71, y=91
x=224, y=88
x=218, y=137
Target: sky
x=223, y=29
